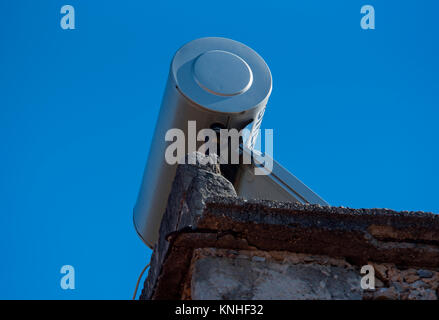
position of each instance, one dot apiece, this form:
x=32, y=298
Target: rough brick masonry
x=214, y=245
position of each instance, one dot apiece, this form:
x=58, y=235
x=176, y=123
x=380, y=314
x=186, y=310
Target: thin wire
x=138, y=280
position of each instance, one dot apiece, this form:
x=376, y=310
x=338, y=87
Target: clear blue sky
x=355, y=116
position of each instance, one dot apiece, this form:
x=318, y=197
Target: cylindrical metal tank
x=211, y=81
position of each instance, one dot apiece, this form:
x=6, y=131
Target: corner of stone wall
x=192, y=186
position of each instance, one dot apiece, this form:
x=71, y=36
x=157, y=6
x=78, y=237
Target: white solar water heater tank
x=212, y=81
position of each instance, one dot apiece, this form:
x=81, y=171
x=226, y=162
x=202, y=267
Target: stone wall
x=214, y=245
x=259, y=275
x=218, y=274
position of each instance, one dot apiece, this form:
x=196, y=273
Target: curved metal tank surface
x=211, y=81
